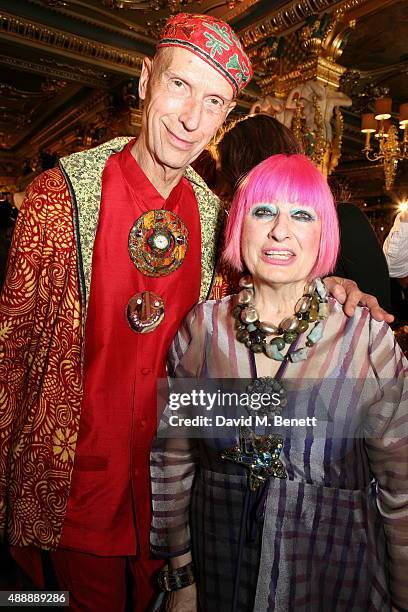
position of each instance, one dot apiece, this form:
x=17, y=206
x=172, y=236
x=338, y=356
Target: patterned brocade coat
x=334, y=534
x=42, y=321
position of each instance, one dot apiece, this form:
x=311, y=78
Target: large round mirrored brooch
x=158, y=243
x=145, y=311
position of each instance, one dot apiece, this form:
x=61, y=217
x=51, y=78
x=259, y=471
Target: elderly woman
x=302, y=519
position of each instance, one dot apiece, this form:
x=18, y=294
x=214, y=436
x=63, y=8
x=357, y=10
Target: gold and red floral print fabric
x=40, y=370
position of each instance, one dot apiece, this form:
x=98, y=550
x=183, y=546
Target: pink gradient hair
x=285, y=178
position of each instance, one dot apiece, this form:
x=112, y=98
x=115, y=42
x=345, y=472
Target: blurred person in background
x=396, y=248
x=396, y=251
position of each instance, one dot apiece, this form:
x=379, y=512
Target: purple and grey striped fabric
x=334, y=535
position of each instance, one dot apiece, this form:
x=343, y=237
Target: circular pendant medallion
x=158, y=243
x=145, y=311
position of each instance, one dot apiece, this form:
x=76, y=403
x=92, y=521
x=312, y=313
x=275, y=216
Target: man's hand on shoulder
x=347, y=293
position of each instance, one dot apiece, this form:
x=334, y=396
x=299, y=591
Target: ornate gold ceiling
x=69, y=68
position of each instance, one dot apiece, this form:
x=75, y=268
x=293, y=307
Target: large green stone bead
x=272, y=352
x=236, y=312
x=279, y=343
x=290, y=337
x=242, y=335
x=303, y=325
x=257, y=337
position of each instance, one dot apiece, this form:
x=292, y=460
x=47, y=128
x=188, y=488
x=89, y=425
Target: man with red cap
x=111, y=250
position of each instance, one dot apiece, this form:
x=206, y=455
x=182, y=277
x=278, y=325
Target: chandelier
x=390, y=149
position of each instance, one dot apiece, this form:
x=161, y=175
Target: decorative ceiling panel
x=70, y=67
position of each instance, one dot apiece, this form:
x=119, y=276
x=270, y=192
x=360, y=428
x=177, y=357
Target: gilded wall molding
x=47, y=70
x=320, y=68
x=238, y=10
x=285, y=18
x=69, y=132
x=50, y=134
x=359, y=8
x=62, y=130
x=87, y=73
x=40, y=36
x=294, y=14
x=126, y=27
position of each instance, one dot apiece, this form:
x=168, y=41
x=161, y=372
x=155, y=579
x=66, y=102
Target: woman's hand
x=347, y=292
x=183, y=600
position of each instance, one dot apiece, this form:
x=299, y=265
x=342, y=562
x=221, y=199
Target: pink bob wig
x=285, y=178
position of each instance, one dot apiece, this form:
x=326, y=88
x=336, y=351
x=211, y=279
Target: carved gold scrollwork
x=39, y=34
x=136, y=5
x=333, y=153
x=290, y=16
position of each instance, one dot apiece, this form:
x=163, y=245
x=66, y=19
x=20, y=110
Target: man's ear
x=145, y=77
x=231, y=107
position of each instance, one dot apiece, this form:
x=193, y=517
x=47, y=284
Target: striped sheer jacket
x=334, y=534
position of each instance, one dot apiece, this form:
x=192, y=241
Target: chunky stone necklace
x=311, y=308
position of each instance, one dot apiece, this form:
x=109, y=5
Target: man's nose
x=191, y=114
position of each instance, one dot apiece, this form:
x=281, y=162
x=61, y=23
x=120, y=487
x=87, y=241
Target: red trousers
x=99, y=584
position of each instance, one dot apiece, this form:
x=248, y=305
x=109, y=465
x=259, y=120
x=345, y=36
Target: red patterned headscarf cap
x=213, y=41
